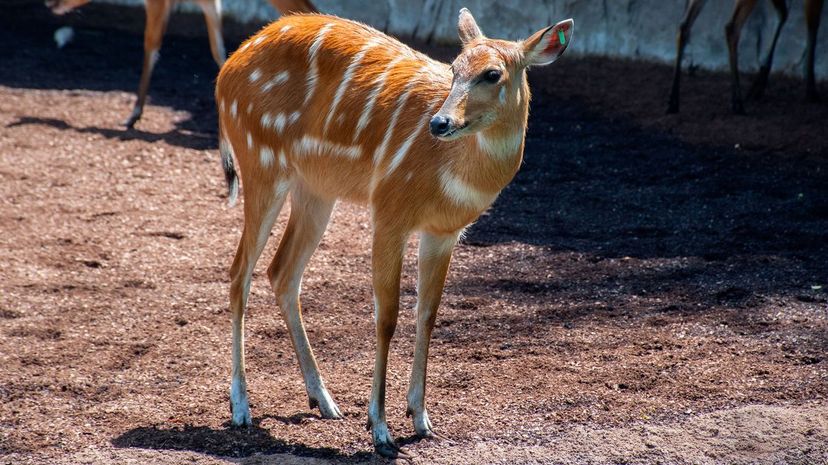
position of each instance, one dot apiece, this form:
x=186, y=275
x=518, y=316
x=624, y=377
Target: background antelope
x=158, y=12
x=324, y=109
x=733, y=30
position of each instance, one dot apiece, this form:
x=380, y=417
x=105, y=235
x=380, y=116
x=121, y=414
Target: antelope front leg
x=386, y=264
x=433, y=263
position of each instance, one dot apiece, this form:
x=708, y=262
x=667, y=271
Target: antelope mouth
x=454, y=133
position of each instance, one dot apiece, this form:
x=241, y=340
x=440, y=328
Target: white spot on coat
x=279, y=122
x=313, y=67
x=255, y=75
x=234, y=108
x=399, y=155
x=249, y=140
x=379, y=83
x=279, y=78
x=312, y=146
x=346, y=79
x=266, y=157
x=379, y=153
x=282, y=159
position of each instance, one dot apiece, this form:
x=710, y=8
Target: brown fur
x=412, y=181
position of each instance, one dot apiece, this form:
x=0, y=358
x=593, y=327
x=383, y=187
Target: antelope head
x=489, y=76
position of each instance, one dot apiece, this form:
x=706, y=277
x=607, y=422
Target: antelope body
x=324, y=109
x=733, y=30
x=158, y=12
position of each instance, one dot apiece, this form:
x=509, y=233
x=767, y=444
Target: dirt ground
x=649, y=289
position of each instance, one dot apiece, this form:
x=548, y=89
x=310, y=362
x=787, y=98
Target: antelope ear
x=546, y=45
x=467, y=27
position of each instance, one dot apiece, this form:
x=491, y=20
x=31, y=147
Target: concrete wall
x=638, y=29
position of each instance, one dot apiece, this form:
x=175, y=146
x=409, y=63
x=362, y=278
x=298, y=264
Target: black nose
x=440, y=125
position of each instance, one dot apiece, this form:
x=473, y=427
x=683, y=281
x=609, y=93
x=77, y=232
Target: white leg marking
x=279, y=78
x=282, y=159
x=462, y=193
x=313, y=146
x=372, y=99
x=238, y=399
x=313, y=68
x=266, y=157
x=501, y=148
x=346, y=79
x=255, y=75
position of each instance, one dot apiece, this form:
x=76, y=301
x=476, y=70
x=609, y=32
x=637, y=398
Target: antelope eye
x=492, y=75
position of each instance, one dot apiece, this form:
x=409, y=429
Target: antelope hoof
x=241, y=415
x=422, y=424
x=384, y=443
x=327, y=407
x=239, y=405
x=133, y=118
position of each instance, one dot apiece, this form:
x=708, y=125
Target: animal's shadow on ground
x=228, y=441
x=178, y=136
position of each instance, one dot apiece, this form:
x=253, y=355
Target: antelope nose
x=439, y=125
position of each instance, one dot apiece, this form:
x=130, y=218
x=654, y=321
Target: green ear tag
x=561, y=37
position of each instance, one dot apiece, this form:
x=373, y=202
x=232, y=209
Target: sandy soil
x=650, y=289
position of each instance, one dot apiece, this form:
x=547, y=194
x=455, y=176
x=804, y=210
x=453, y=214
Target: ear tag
x=561, y=37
